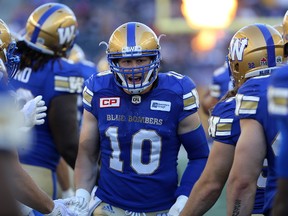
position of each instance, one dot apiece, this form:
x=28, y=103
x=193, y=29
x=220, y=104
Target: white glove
x=34, y=112
x=79, y=204
x=25, y=210
x=61, y=208
x=68, y=193
x=94, y=201
x=178, y=206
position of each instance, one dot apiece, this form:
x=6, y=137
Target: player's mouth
x=135, y=79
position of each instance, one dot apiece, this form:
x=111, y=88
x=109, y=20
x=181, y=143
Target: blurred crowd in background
x=98, y=18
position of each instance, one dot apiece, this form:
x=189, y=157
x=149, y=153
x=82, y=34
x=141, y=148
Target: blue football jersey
x=278, y=108
x=138, y=139
x=251, y=103
x=221, y=82
x=58, y=78
x=224, y=127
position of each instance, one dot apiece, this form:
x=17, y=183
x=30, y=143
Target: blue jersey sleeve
x=224, y=126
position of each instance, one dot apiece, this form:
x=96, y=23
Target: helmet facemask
x=136, y=79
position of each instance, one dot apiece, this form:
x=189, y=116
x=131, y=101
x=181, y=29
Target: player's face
x=136, y=66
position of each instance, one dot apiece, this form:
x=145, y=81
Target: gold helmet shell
x=134, y=40
x=7, y=49
x=51, y=28
x=254, y=50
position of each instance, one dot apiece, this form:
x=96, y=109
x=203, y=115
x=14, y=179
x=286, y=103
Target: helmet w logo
x=237, y=48
x=66, y=34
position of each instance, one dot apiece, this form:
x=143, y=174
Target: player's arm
x=27, y=191
x=193, y=138
x=62, y=117
x=248, y=161
x=88, y=154
x=208, y=188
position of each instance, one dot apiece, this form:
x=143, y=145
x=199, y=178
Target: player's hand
x=178, y=206
x=79, y=204
x=34, y=112
x=61, y=208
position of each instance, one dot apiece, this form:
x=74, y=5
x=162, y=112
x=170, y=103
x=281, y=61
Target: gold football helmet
x=134, y=40
x=254, y=50
x=7, y=49
x=285, y=26
x=51, y=28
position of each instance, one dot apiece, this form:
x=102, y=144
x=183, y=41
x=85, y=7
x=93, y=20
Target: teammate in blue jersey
x=134, y=122
x=277, y=97
x=50, y=33
x=224, y=129
x=255, y=51
x=220, y=85
x=15, y=182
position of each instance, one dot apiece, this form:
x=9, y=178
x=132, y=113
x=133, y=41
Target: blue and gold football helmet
x=7, y=50
x=255, y=50
x=51, y=29
x=134, y=40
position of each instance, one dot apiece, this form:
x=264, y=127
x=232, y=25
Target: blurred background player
x=218, y=88
x=278, y=107
x=254, y=52
x=50, y=33
x=139, y=148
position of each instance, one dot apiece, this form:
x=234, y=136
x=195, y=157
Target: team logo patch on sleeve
x=160, y=105
x=109, y=102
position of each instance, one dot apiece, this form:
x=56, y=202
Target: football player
x=221, y=84
x=224, y=129
x=14, y=135
x=277, y=99
x=137, y=118
x=44, y=69
x=255, y=51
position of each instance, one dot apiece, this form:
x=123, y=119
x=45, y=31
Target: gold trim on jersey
x=87, y=96
x=190, y=100
x=224, y=127
x=246, y=104
x=278, y=101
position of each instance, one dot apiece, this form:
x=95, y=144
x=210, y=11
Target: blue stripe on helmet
x=269, y=43
x=131, y=28
x=41, y=21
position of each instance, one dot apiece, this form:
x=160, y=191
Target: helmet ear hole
x=286, y=50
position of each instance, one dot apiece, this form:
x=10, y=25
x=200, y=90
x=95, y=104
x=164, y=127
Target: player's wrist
x=67, y=193
x=83, y=193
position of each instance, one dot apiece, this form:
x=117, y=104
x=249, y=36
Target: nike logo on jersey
x=160, y=105
x=110, y=102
